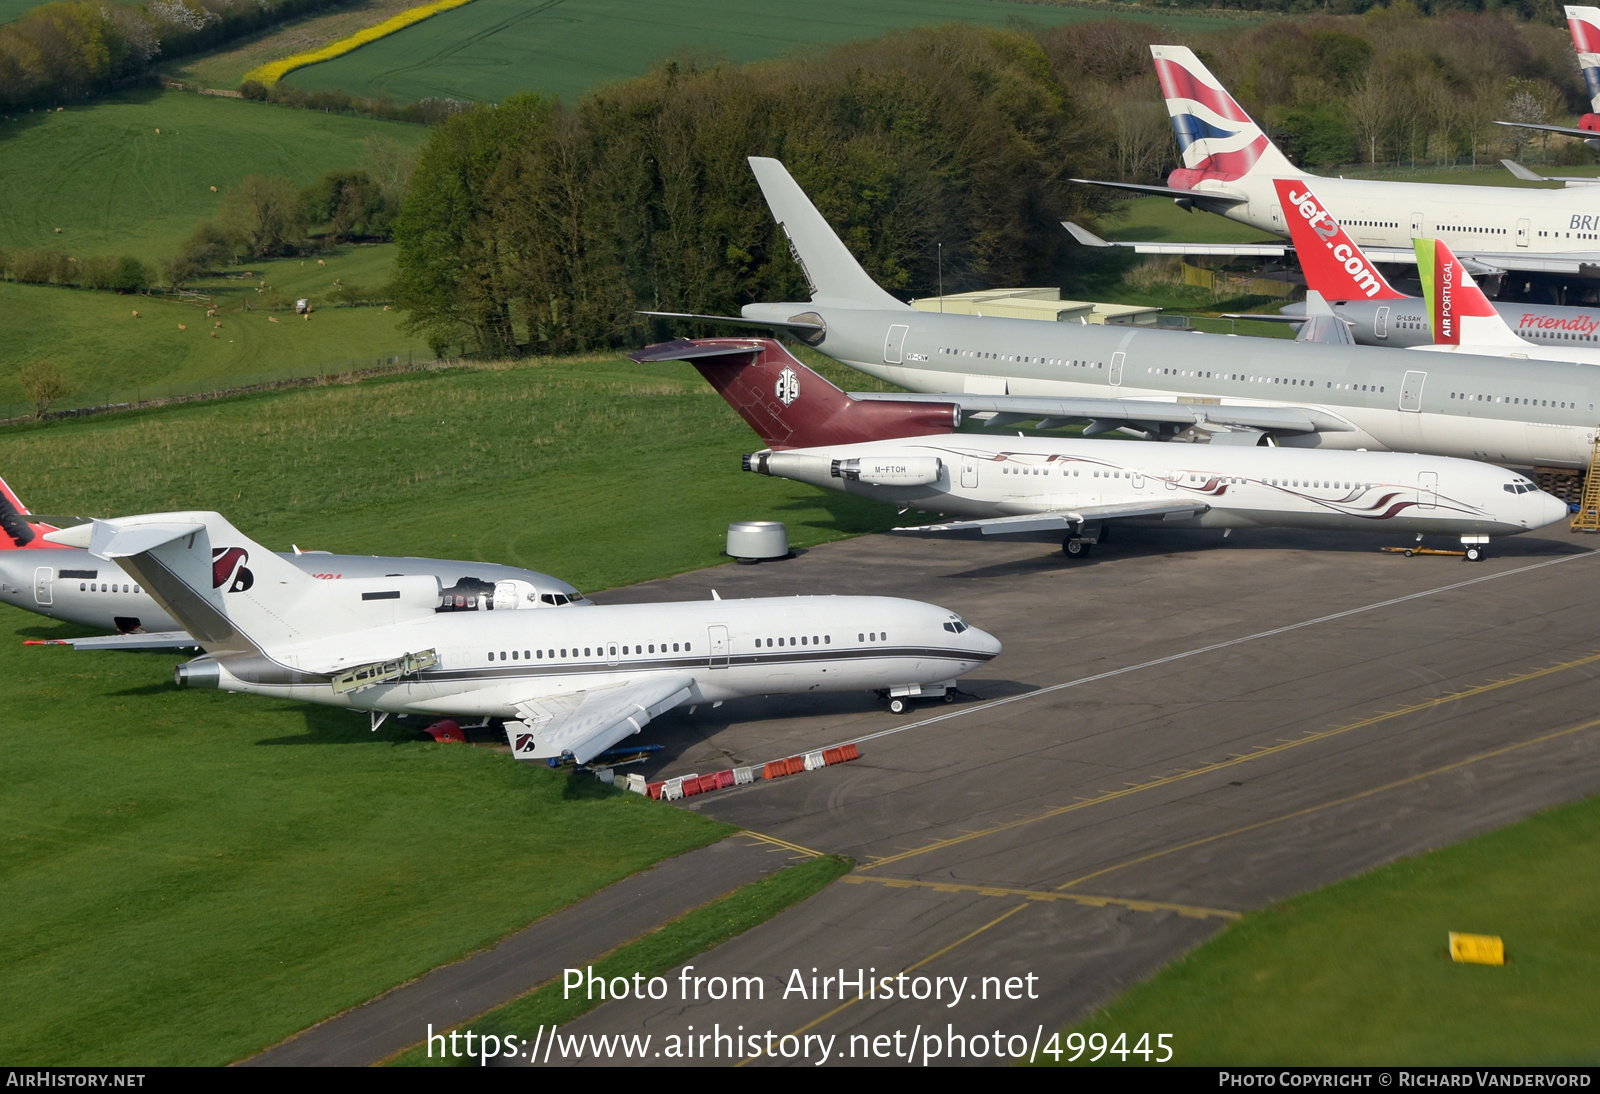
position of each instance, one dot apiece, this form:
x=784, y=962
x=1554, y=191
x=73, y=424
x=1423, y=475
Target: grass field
x=111, y=357
x=692, y=933
x=102, y=174
x=492, y=48
x=191, y=875
x=1359, y=973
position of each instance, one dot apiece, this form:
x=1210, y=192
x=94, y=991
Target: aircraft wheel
x=1074, y=548
x=950, y=695
x=1474, y=553
x=898, y=706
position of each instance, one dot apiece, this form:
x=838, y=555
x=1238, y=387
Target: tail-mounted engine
x=901, y=471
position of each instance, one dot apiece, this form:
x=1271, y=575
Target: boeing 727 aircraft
x=1164, y=384
x=67, y=584
x=569, y=683
x=904, y=453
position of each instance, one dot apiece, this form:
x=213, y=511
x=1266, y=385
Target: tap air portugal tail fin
x=790, y=406
x=1216, y=137
x=1585, y=26
x=1334, y=266
x=1461, y=314
x=238, y=599
x=835, y=276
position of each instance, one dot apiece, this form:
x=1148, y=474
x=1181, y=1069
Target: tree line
x=77, y=48
x=537, y=226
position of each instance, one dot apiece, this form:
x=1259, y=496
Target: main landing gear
x=1080, y=539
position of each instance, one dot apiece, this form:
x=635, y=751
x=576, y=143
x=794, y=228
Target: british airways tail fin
x=1585, y=26
x=1217, y=138
x=834, y=274
x=1334, y=266
x=1461, y=314
x=790, y=406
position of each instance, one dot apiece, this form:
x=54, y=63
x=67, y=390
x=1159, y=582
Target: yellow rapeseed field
x=274, y=71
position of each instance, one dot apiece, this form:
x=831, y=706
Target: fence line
x=219, y=387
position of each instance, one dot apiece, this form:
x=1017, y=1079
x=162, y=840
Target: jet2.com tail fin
x=1216, y=137
x=789, y=405
x=1584, y=23
x=1461, y=314
x=836, y=277
x=1334, y=266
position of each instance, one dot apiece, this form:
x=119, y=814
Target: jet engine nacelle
x=890, y=471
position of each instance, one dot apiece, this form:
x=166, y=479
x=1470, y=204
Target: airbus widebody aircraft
x=68, y=584
x=1229, y=166
x=1163, y=383
x=569, y=683
x=1336, y=267
x=903, y=453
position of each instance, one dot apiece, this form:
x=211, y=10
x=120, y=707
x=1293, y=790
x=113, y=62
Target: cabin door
x=1411, y=391
x=43, y=590
x=894, y=345
x=1427, y=489
x=969, y=473
x=611, y=653
x=1416, y=225
x=1116, y=368
x=1522, y=233
x=1380, y=324
x=718, y=637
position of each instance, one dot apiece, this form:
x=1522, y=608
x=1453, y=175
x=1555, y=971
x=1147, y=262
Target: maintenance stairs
x=1588, y=515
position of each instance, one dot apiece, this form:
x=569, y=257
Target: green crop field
x=190, y=875
x=13, y=9
x=492, y=48
x=1359, y=973
x=102, y=174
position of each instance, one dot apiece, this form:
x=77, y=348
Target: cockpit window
x=955, y=626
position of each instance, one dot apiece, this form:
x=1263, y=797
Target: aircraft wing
x=1059, y=519
x=736, y=320
x=586, y=723
x=155, y=640
x=1198, y=196
x=1564, y=130
x=1112, y=413
x=1232, y=250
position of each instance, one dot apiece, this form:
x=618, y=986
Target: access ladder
x=1588, y=516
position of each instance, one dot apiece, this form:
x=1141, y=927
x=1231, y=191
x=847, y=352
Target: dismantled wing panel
x=1063, y=518
x=1232, y=250
x=155, y=640
x=1199, y=197
x=586, y=723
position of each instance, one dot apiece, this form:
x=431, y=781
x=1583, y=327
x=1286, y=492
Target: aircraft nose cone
x=1551, y=509
x=986, y=643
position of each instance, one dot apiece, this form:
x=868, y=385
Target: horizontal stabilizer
x=1197, y=196
x=1146, y=247
x=765, y=324
x=685, y=349
x=586, y=723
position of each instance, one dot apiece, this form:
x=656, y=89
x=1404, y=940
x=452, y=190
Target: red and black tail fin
x=16, y=530
x=790, y=406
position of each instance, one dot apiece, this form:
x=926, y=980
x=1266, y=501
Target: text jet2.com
x=918, y=1046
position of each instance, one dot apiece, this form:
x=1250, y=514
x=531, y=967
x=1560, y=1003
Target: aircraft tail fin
x=1584, y=22
x=1461, y=314
x=789, y=405
x=832, y=271
x=238, y=599
x=1217, y=138
x=1334, y=266
x=16, y=530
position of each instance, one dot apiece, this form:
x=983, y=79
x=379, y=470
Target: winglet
x=1084, y=237
x=1330, y=259
x=1460, y=313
